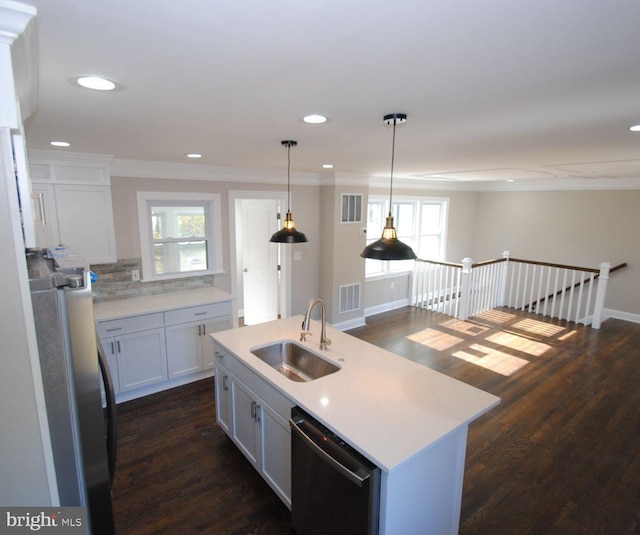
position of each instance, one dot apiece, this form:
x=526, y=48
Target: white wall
x=304, y=205
x=25, y=476
x=582, y=228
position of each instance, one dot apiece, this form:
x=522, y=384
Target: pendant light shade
x=389, y=247
x=288, y=232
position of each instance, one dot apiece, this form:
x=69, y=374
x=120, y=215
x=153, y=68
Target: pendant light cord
x=393, y=152
x=289, y=177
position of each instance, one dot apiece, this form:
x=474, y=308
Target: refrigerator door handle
x=112, y=421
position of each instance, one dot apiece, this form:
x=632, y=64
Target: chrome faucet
x=324, y=341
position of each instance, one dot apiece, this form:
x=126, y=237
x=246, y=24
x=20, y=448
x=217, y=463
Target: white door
x=259, y=260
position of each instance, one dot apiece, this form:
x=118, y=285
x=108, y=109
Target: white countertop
x=133, y=306
x=387, y=407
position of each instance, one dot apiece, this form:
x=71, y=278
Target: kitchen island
x=409, y=420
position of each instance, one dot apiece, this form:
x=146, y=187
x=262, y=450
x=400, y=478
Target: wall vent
x=351, y=208
x=349, y=296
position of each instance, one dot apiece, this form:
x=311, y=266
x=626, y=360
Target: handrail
x=550, y=264
x=451, y=264
x=577, y=284
x=488, y=262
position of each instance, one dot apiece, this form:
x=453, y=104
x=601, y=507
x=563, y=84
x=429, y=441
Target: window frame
x=213, y=231
x=387, y=267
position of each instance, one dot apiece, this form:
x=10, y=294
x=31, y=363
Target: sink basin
x=294, y=361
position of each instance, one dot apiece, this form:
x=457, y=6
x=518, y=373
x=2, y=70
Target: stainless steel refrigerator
x=83, y=434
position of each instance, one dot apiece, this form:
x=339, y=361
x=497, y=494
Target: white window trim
x=412, y=198
x=214, y=232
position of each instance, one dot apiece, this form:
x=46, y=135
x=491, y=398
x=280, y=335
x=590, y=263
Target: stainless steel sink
x=294, y=361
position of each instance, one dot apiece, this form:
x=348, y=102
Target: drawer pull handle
x=218, y=354
x=201, y=313
x=109, y=329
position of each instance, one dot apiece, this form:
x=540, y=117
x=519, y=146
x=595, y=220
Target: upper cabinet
x=71, y=204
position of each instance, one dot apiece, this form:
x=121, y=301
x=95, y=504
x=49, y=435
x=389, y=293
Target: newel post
x=502, y=296
x=601, y=293
x=465, y=289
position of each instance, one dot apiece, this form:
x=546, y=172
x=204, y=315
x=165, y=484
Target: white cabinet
x=223, y=398
x=71, y=205
x=189, y=346
x=138, y=345
x=255, y=415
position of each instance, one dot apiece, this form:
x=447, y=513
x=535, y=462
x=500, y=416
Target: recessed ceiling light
x=510, y=180
x=327, y=166
x=315, y=119
x=193, y=155
x=635, y=128
x=98, y=83
x=60, y=144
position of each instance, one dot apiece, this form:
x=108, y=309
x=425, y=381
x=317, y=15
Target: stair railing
x=560, y=291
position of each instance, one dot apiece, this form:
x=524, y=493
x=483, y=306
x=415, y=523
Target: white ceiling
x=493, y=89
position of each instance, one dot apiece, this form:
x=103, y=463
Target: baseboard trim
x=620, y=315
x=349, y=324
x=386, y=307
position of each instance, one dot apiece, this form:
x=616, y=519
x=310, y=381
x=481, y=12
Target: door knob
x=245, y=270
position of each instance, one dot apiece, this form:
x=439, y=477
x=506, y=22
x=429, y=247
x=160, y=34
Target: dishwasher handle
x=331, y=460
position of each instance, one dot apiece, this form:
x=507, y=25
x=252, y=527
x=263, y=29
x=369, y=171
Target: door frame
x=284, y=289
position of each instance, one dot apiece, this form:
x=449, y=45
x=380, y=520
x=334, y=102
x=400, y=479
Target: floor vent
x=349, y=295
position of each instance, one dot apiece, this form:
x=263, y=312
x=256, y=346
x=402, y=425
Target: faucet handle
x=303, y=335
x=324, y=342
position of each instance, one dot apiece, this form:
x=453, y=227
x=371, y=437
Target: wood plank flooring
x=560, y=454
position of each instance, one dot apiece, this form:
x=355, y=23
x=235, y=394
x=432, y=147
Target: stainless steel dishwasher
x=334, y=489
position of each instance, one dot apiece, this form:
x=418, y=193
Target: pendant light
x=288, y=232
x=389, y=247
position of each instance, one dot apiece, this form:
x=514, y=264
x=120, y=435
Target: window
x=179, y=234
x=420, y=223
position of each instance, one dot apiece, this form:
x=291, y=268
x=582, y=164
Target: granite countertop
x=387, y=407
x=133, y=306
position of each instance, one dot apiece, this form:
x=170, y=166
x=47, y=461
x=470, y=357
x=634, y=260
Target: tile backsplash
x=114, y=281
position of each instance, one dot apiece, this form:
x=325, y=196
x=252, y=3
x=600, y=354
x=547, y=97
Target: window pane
x=429, y=247
x=178, y=222
x=430, y=219
x=375, y=221
x=180, y=257
x=403, y=220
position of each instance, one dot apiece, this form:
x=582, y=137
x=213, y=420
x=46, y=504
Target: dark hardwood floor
x=560, y=454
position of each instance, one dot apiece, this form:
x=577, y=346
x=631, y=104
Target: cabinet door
x=45, y=218
x=212, y=326
x=109, y=345
x=85, y=221
x=245, y=428
x=223, y=399
x=142, y=359
x=184, y=349
x=276, y=453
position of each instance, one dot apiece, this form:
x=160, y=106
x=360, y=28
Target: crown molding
x=14, y=18
x=77, y=158
x=185, y=171
x=555, y=184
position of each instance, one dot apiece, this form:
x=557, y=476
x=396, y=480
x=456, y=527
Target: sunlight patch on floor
x=567, y=335
x=496, y=316
x=491, y=359
x=538, y=327
x=464, y=327
x=513, y=341
x=435, y=339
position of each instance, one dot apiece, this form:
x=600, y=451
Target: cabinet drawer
x=198, y=313
x=130, y=324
